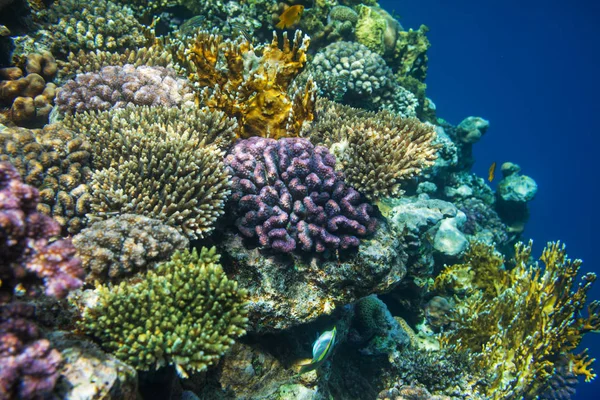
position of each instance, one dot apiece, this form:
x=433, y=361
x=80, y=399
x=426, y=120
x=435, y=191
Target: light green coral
x=370, y=29
x=410, y=53
x=185, y=313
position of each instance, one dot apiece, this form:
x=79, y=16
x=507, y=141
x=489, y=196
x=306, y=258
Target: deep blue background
x=532, y=68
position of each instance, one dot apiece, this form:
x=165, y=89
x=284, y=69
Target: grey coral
x=123, y=86
x=121, y=246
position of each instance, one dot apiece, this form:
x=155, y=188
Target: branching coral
x=519, y=323
x=119, y=247
x=379, y=152
x=287, y=193
x=159, y=162
x=185, y=313
x=253, y=89
x=57, y=162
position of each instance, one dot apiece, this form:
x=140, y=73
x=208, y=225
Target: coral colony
x=190, y=195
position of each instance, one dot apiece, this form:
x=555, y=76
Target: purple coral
x=119, y=87
x=287, y=193
x=26, y=256
x=29, y=366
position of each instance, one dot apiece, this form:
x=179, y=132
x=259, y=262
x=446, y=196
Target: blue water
x=532, y=69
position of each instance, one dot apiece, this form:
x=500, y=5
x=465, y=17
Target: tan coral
x=249, y=84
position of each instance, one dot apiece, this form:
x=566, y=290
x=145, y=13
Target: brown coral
x=121, y=246
x=57, y=162
x=249, y=84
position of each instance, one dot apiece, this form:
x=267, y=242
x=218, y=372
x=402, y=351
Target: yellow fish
x=491, y=171
x=290, y=17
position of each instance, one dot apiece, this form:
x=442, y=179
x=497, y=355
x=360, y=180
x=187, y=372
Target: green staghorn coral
x=186, y=313
x=518, y=323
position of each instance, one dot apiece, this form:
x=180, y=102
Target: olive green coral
x=57, y=162
x=519, y=324
x=185, y=313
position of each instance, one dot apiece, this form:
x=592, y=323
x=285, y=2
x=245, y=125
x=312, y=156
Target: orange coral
x=252, y=85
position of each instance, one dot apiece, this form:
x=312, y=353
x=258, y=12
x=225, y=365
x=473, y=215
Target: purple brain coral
x=288, y=194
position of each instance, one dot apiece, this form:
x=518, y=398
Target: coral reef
x=159, y=162
x=126, y=86
x=121, y=246
x=252, y=88
x=377, y=29
x=287, y=194
x=185, y=313
x=513, y=193
x=519, y=323
x=351, y=74
x=57, y=162
x=28, y=257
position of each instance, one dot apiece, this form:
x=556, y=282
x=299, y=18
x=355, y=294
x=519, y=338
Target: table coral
x=119, y=247
x=57, y=161
x=124, y=86
x=160, y=162
x=185, y=312
x=288, y=194
x=27, y=257
x=249, y=84
x=518, y=323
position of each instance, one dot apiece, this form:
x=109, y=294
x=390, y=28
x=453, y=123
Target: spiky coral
x=520, y=323
x=159, y=162
x=379, y=152
x=253, y=89
x=185, y=313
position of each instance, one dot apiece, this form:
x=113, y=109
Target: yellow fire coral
x=519, y=322
x=252, y=85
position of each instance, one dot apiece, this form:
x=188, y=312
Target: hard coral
x=185, y=313
x=119, y=247
x=253, y=89
x=520, y=324
x=26, y=255
x=57, y=162
x=124, y=86
x=288, y=194
x=159, y=162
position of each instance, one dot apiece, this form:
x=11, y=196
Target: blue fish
x=321, y=350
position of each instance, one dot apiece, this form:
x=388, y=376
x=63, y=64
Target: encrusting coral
x=185, y=312
x=518, y=323
x=121, y=246
x=160, y=162
x=124, y=86
x=57, y=162
x=378, y=152
x=252, y=88
x=287, y=193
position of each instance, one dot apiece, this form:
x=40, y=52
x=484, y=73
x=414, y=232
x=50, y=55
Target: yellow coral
x=518, y=322
x=249, y=84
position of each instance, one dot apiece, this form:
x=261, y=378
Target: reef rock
x=471, y=129
x=449, y=240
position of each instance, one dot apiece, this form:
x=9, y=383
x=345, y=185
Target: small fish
x=321, y=349
x=492, y=171
x=290, y=17
x=191, y=24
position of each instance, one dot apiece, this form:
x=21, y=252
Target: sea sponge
x=124, y=86
x=288, y=194
x=121, y=246
x=149, y=162
x=56, y=161
x=185, y=312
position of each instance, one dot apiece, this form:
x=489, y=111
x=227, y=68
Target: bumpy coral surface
x=29, y=366
x=288, y=195
x=119, y=87
x=520, y=323
x=57, y=162
x=26, y=255
x=126, y=244
x=160, y=163
x=251, y=85
x=185, y=313
x=352, y=74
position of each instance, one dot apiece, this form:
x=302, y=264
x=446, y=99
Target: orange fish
x=290, y=17
x=491, y=171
